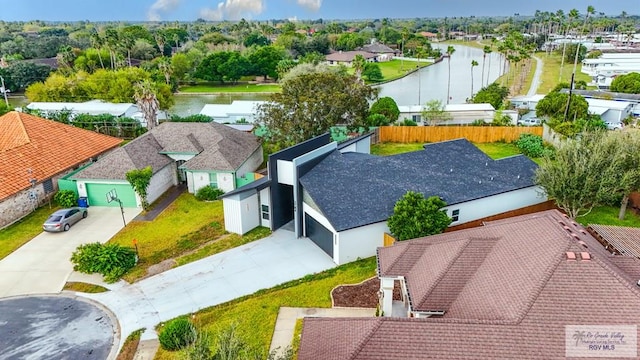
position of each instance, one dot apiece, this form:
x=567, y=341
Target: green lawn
x=551, y=72
x=608, y=215
x=84, y=287
x=255, y=315
x=384, y=149
x=18, y=234
x=231, y=88
x=395, y=68
x=498, y=150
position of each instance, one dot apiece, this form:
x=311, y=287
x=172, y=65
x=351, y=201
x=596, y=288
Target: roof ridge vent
x=571, y=256
x=584, y=244
x=585, y=256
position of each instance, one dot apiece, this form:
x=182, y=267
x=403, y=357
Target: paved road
x=535, y=84
x=54, y=327
x=42, y=265
x=217, y=279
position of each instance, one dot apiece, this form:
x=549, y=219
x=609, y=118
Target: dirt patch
x=364, y=295
x=161, y=267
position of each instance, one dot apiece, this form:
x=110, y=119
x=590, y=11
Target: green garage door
x=97, y=194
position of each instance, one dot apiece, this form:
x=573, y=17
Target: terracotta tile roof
x=625, y=240
x=44, y=146
x=514, y=295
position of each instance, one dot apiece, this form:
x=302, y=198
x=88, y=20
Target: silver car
x=62, y=220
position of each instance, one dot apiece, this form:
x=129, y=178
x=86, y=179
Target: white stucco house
x=237, y=111
x=340, y=196
x=198, y=154
x=610, y=110
x=461, y=114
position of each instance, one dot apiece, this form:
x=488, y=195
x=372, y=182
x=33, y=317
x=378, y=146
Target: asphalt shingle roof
x=44, y=146
x=521, y=288
x=355, y=190
x=216, y=146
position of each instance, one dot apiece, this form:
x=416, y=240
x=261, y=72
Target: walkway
x=214, y=280
x=287, y=316
x=535, y=83
x=166, y=200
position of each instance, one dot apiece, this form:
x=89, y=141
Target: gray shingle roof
x=353, y=191
x=218, y=147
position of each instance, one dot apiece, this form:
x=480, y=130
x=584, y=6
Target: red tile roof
x=508, y=296
x=44, y=146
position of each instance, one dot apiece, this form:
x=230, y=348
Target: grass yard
x=84, y=287
x=395, y=69
x=130, y=345
x=384, y=149
x=184, y=226
x=498, y=150
x=16, y=235
x=551, y=72
x=231, y=88
x=255, y=315
x=608, y=215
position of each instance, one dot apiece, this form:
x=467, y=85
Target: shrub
x=66, y=198
x=110, y=260
x=177, y=334
x=208, y=193
x=407, y=122
x=531, y=145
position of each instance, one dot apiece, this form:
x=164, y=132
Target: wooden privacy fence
x=478, y=134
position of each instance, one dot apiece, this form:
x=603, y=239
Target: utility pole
x=4, y=91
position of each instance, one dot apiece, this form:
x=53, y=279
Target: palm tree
x=97, y=42
x=590, y=11
x=486, y=50
x=573, y=15
x=473, y=64
x=450, y=51
x=358, y=64
x=164, y=65
x=145, y=96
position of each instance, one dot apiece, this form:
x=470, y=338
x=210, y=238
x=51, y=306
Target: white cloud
x=161, y=6
x=233, y=10
x=313, y=5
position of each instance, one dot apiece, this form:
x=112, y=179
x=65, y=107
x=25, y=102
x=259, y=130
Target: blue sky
x=189, y=10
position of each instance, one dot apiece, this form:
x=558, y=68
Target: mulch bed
x=363, y=295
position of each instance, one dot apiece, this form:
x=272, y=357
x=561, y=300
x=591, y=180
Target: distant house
x=35, y=153
x=346, y=57
x=237, y=111
x=94, y=107
x=384, y=52
x=608, y=95
x=461, y=114
x=429, y=35
x=526, y=102
x=610, y=110
x=198, y=154
x=493, y=292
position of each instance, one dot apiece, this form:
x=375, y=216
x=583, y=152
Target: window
x=48, y=186
x=455, y=214
x=416, y=118
x=265, y=212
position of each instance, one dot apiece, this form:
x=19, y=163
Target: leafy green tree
x=140, y=180
x=571, y=51
x=434, y=112
x=414, y=216
x=625, y=165
x=349, y=41
x=387, y=107
x=264, y=60
x=256, y=38
x=210, y=67
x=22, y=74
x=311, y=103
x=377, y=120
x=578, y=174
x=629, y=83
x=553, y=105
x=372, y=72
x=493, y=94
x=235, y=67
x=181, y=65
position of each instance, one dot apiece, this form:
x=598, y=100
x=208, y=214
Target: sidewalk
x=287, y=316
x=162, y=204
x=211, y=281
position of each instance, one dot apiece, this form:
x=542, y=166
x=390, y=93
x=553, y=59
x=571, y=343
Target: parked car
x=530, y=122
x=614, y=125
x=62, y=220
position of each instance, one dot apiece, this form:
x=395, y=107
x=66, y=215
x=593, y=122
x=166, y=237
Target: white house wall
x=360, y=242
x=265, y=199
x=190, y=182
x=162, y=181
x=241, y=215
x=226, y=181
x=200, y=180
x=251, y=164
x=493, y=205
x=285, y=172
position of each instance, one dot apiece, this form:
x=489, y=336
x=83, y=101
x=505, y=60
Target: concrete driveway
x=214, y=280
x=42, y=265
